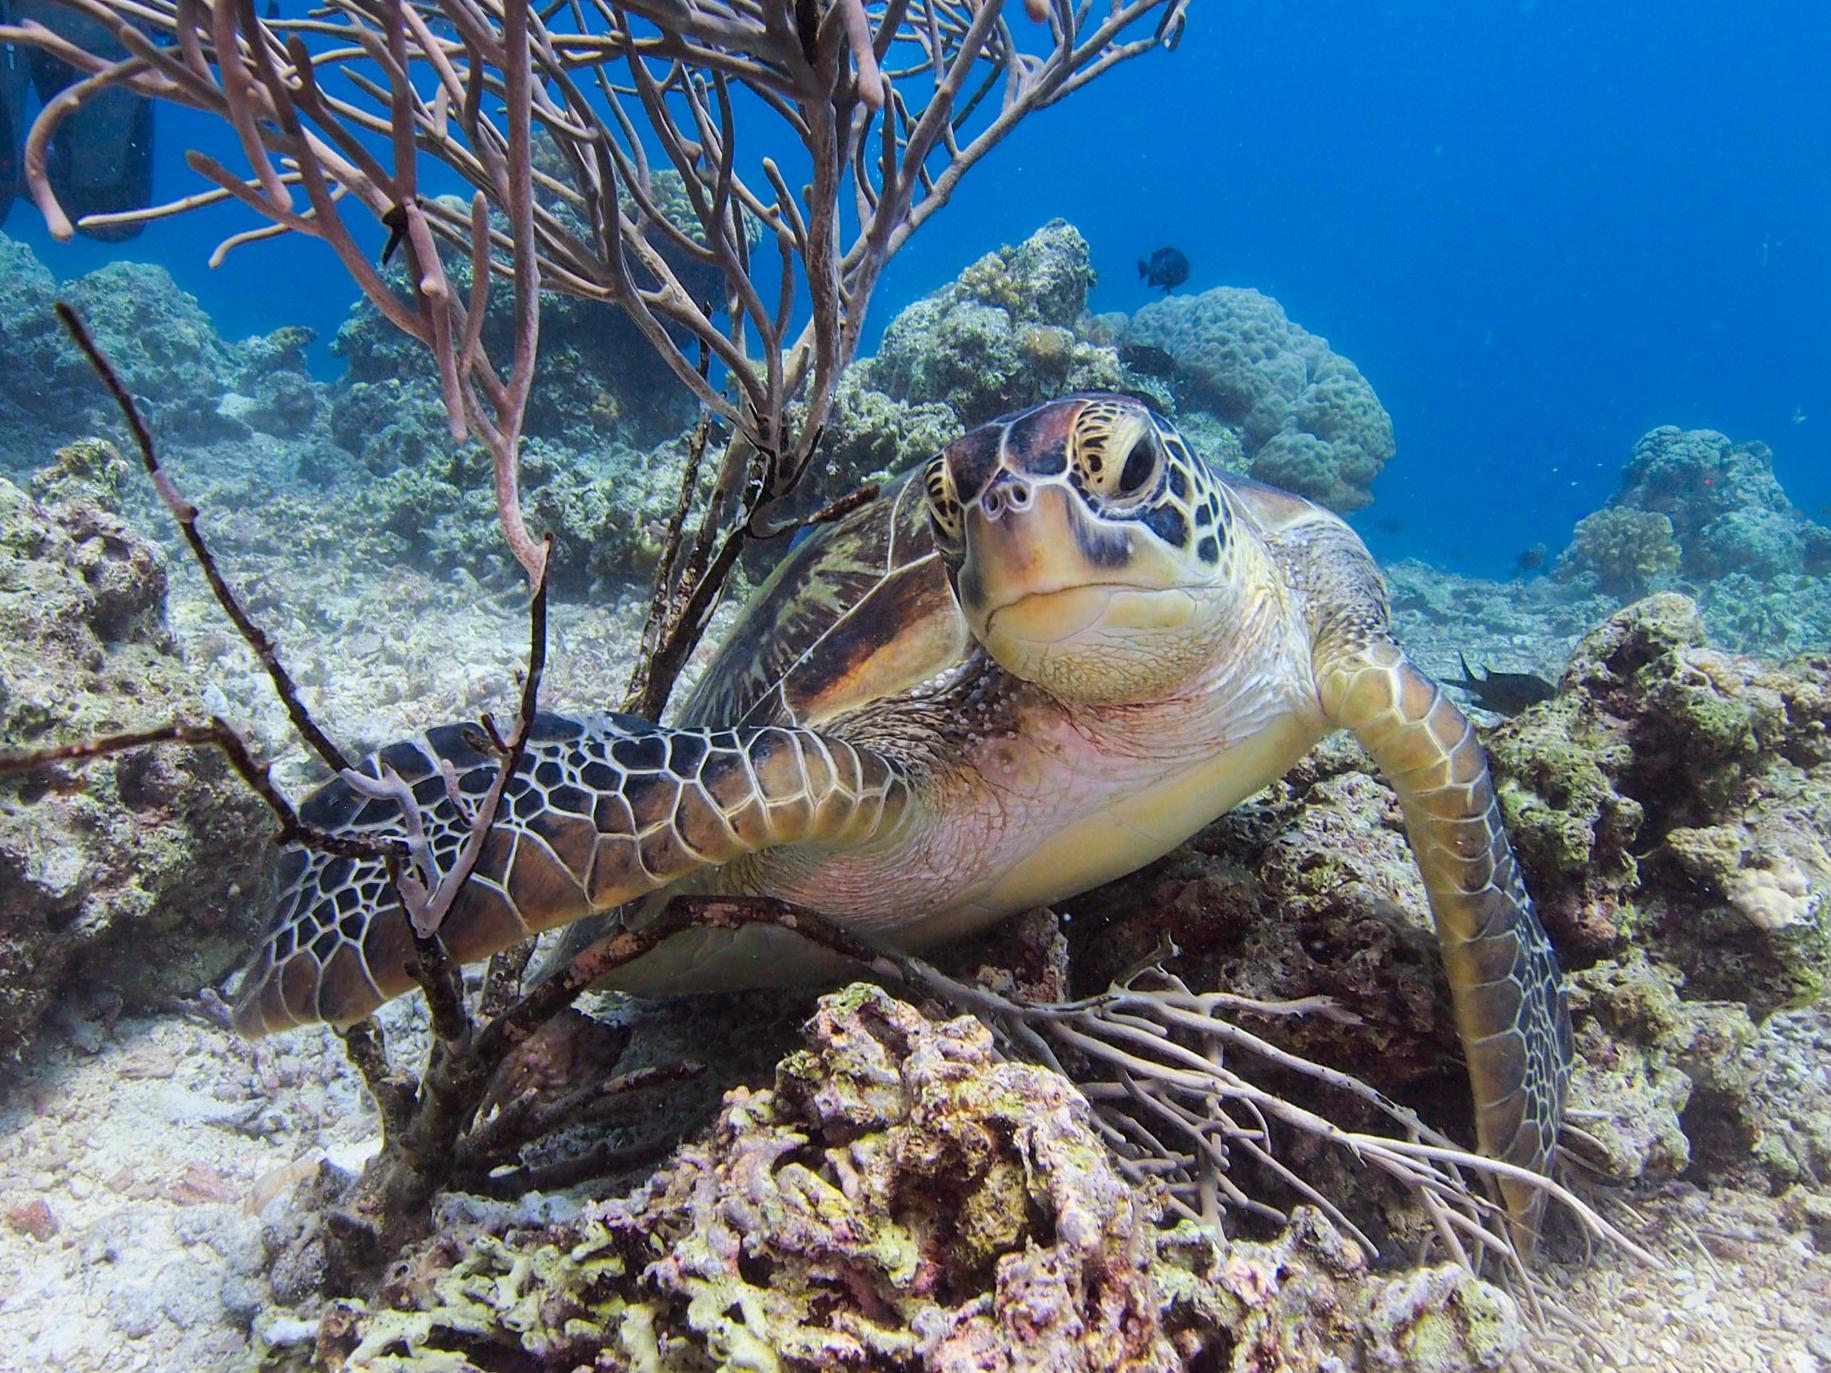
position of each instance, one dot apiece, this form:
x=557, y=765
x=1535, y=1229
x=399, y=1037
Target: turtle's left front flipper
x=1504, y=978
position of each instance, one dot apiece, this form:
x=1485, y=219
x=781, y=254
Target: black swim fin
x=101, y=159
x=12, y=127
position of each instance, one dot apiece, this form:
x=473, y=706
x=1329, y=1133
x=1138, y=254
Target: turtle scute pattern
x=599, y=812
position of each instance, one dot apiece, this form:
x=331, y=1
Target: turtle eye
x=1140, y=467
x=943, y=507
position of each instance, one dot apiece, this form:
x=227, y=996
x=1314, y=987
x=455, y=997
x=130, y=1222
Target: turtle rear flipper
x=1504, y=979
x=598, y=813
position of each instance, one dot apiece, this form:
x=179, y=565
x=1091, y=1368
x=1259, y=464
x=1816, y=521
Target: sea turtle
x=1045, y=658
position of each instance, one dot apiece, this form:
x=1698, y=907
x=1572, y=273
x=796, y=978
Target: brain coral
x=1309, y=421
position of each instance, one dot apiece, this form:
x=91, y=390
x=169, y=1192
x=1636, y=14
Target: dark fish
x=1530, y=559
x=395, y=221
x=1504, y=693
x=1389, y=524
x=1166, y=267
x=1148, y=360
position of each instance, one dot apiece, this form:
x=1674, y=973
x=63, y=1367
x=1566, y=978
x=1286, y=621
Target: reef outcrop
x=1694, y=502
x=1001, y=336
x=134, y=877
x=902, y=1197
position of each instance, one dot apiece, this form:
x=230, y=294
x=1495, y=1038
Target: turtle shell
x=861, y=610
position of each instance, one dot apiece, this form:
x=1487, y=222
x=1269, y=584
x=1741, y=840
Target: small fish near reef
x=1530, y=560
x=1504, y=693
x=1167, y=267
x=1043, y=658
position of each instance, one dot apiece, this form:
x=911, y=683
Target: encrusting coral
x=902, y=1198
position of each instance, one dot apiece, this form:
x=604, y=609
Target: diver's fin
x=12, y=127
x=101, y=159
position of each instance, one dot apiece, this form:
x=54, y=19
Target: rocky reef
x=365, y=463
x=133, y=878
x=901, y=1197
x=1672, y=808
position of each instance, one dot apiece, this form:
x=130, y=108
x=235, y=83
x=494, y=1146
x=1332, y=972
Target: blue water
x=1539, y=229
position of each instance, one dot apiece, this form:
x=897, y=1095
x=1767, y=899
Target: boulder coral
x=904, y=1198
x=1308, y=420
x=1725, y=511
x=1625, y=550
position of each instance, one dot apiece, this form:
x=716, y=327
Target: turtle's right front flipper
x=597, y=814
x=1504, y=978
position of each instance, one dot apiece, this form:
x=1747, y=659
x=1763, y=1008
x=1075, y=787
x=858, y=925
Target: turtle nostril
x=1007, y=493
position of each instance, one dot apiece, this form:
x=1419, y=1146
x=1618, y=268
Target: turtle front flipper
x=598, y=813
x=1503, y=975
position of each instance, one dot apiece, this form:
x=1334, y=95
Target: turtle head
x=1089, y=548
